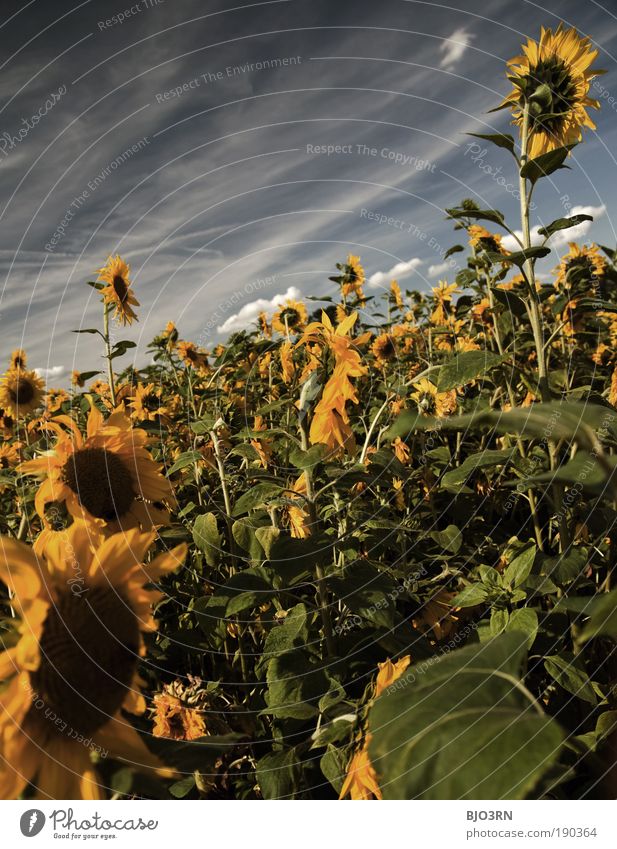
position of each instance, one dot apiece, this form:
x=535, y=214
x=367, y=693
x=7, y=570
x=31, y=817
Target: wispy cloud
x=400, y=271
x=454, y=47
x=249, y=312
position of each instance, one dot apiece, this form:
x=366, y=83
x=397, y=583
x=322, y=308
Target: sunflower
x=77, y=379
x=264, y=327
x=21, y=391
x=553, y=76
x=107, y=478
x=431, y=402
x=291, y=317
x=482, y=240
x=384, y=349
x=442, y=294
x=7, y=423
x=396, y=296
x=146, y=403
x=55, y=399
x=287, y=364
x=191, y=355
x=437, y=615
x=18, y=358
x=361, y=779
x=299, y=523
x=117, y=293
x=353, y=277
x=581, y=265
x=401, y=450
x=74, y=667
x=330, y=425
x=175, y=720
x=9, y=455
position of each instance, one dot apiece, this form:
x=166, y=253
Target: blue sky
x=233, y=154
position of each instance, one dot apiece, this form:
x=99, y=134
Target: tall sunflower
x=73, y=668
x=21, y=391
x=553, y=76
x=384, y=349
x=107, y=478
x=118, y=293
x=291, y=317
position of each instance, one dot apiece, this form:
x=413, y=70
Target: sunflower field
x=365, y=550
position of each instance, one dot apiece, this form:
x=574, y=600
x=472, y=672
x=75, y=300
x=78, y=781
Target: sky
x=232, y=154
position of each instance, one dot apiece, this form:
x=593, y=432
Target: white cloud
x=438, y=270
x=249, y=312
x=51, y=373
x=510, y=243
x=573, y=234
x=454, y=47
x=400, y=271
x=561, y=237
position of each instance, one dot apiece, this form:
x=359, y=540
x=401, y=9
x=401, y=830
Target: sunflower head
x=21, y=391
x=146, y=403
x=291, y=317
x=18, y=359
x=82, y=607
x=482, y=240
x=551, y=78
x=580, y=268
x=117, y=294
x=384, y=348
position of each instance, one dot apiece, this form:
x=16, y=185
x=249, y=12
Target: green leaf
x=563, y=224
x=278, y=774
x=184, y=460
x=247, y=589
x=295, y=685
x=291, y=633
x=308, y=459
x=485, y=459
x=466, y=367
x=450, y=538
x=480, y=214
x=499, y=621
x=571, y=678
x=470, y=596
x=207, y=538
x=525, y=620
x=255, y=497
x=120, y=348
x=500, y=139
x=334, y=766
x=510, y=301
x=463, y=727
x=182, y=788
x=519, y=569
x=519, y=257
x=545, y=164
x=603, y=618
x=555, y=420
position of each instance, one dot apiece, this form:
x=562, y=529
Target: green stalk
x=535, y=317
x=110, y=369
x=322, y=595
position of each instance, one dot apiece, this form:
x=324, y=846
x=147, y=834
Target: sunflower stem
x=322, y=593
x=110, y=369
x=535, y=318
